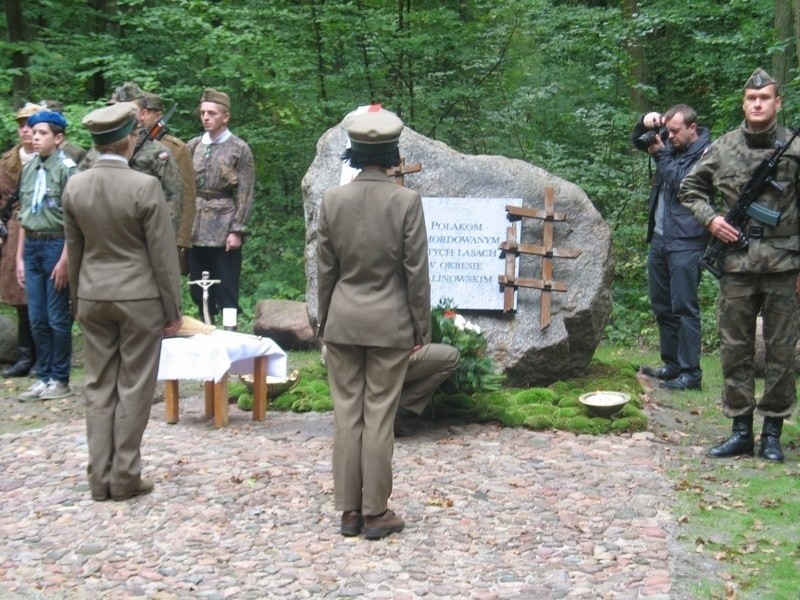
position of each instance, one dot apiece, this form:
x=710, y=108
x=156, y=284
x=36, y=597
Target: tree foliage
x=557, y=83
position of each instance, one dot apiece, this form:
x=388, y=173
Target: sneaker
x=55, y=390
x=33, y=392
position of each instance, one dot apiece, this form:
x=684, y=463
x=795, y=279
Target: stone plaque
x=463, y=255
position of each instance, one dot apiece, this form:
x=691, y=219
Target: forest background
x=557, y=83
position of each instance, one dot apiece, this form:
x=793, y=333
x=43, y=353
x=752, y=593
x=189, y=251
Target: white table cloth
x=209, y=357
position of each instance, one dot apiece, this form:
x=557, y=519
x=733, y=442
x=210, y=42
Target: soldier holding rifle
x=758, y=268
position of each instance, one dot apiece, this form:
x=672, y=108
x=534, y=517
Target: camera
x=644, y=141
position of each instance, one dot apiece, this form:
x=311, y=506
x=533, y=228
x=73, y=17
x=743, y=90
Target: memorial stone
x=528, y=354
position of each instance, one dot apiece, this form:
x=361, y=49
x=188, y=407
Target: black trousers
x=222, y=265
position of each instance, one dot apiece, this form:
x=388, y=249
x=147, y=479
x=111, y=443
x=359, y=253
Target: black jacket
x=681, y=230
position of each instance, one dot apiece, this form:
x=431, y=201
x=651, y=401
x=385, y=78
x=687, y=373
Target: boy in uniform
x=42, y=256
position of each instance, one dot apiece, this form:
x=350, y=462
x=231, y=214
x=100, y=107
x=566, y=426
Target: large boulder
x=528, y=354
x=285, y=322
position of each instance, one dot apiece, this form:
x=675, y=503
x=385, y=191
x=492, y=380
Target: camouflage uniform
x=155, y=159
x=760, y=278
x=225, y=176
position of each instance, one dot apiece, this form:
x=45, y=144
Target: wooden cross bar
x=399, y=172
x=516, y=213
x=510, y=249
x=507, y=281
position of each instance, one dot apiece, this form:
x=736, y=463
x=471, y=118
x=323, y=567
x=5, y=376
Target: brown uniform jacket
x=372, y=263
x=10, y=171
x=133, y=255
x=184, y=160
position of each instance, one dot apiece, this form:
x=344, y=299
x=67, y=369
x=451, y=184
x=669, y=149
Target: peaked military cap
x=375, y=131
x=152, y=101
x=212, y=95
x=26, y=111
x=47, y=116
x=127, y=92
x=759, y=79
x=111, y=123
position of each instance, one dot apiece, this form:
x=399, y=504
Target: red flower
x=449, y=314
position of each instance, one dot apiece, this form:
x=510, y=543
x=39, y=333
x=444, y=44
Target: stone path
x=247, y=512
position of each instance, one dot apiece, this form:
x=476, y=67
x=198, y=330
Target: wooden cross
x=402, y=169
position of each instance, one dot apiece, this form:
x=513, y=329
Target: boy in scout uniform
x=42, y=256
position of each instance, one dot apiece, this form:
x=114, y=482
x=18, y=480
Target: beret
x=759, y=79
x=212, y=95
x=27, y=110
x=111, y=123
x=152, y=101
x=47, y=116
x=127, y=92
x=375, y=131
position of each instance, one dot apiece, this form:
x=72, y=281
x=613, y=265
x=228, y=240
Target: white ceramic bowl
x=604, y=404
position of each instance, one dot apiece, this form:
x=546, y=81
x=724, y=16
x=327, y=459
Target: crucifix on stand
x=205, y=283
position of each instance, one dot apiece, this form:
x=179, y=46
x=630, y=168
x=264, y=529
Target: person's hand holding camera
x=652, y=120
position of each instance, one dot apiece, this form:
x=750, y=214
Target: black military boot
x=770, y=447
x=22, y=367
x=739, y=443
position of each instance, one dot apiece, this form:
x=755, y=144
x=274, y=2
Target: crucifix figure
x=205, y=283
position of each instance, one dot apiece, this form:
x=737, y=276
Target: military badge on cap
x=759, y=79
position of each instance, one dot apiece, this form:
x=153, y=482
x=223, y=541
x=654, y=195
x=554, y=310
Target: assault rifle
x=157, y=131
x=747, y=208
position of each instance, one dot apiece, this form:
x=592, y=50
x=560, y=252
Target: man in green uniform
x=152, y=157
x=761, y=278
x=151, y=109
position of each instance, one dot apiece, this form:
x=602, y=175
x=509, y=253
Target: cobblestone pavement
x=247, y=512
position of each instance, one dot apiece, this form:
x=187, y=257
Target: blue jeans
x=48, y=309
x=674, y=278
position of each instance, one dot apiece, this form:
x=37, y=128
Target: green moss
x=567, y=413
x=539, y=422
x=322, y=404
x=245, y=401
x=536, y=396
x=582, y=424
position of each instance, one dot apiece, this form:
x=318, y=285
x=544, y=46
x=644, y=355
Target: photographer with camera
x=677, y=241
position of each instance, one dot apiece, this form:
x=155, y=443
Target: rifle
x=746, y=208
x=5, y=214
x=157, y=131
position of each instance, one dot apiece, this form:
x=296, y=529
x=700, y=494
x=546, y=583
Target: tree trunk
x=638, y=73
x=17, y=33
x=785, y=26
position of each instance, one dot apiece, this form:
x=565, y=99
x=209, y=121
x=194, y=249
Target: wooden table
x=211, y=359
